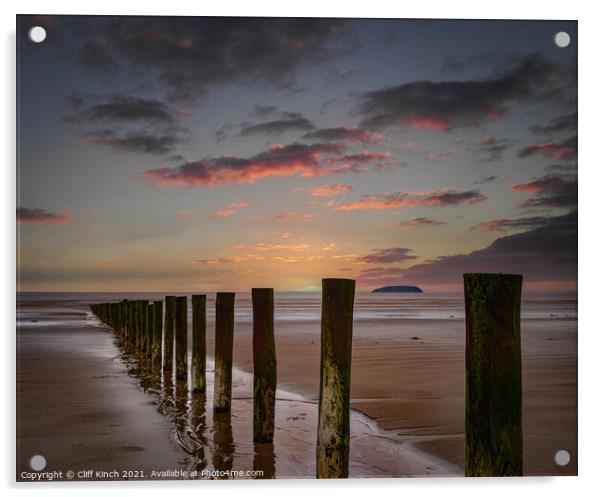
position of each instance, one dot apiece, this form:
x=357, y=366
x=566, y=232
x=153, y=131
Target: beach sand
x=414, y=387
x=84, y=405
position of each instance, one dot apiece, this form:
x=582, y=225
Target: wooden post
x=148, y=329
x=224, y=343
x=332, y=451
x=168, y=332
x=181, y=332
x=494, y=436
x=157, y=333
x=143, y=325
x=264, y=364
x=199, y=331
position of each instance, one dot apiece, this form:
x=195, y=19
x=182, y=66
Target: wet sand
x=84, y=404
x=413, y=387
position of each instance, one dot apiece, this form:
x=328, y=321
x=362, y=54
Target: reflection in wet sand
x=264, y=462
x=223, y=443
x=220, y=445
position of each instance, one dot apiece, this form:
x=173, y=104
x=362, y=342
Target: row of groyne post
x=493, y=394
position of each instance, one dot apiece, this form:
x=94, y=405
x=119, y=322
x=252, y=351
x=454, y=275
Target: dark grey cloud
x=41, y=216
x=145, y=142
x=287, y=122
x=345, y=73
x=118, y=108
x=386, y=256
x=487, y=178
x=443, y=105
x=344, y=134
x=192, y=55
x=557, y=150
x=493, y=148
x=94, y=54
x=567, y=122
x=553, y=190
x=264, y=111
x=544, y=254
x=512, y=224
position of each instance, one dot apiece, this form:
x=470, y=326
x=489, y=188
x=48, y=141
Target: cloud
x=223, y=213
x=185, y=213
x=567, y=122
x=330, y=190
x=240, y=205
x=387, y=256
x=121, y=108
x=553, y=190
x=345, y=135
x=278, y=160
x=94, y=54
x=483, y=180
x=565, y=149
x=263, y=110
x=293, y=216
x=418, y=222
x=436, y=198
x=339, y=74
x=192, y=55
x=443, y=156
x=264, y=247
x=492, y=147
x=380, y=161
x=147, y=142
x=544, y=254
x=231, y=209
x=379, y=276
x=444, y=105
x=511, y=224
x=315, y=160
x=41, y=216
x=290, y=121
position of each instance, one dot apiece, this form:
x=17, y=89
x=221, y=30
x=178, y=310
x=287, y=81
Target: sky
x=208, y=154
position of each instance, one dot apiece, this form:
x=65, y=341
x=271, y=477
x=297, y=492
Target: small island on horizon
x=398, y=289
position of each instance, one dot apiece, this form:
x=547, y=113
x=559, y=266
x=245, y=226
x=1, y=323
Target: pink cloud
x=418, y=222
x=330, y=190
x=436, y=198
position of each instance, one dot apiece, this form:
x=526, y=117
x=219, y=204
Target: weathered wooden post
x=199, y=331
x=136, y=343
x=157, y=332
x=494, y=436
x=168, y=329
x=181, y=332
x=148, y=329
x=264, y=364
x=332, y=451
x=224, y=343
x=144, y=325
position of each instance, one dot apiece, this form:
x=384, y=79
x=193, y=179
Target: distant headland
x=398, y=289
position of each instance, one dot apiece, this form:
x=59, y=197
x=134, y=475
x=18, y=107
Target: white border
x=590, y=283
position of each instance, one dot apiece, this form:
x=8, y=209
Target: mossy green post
x=168, y=334
x=224, y=344
x=264, y=364
x=332, y=450
x=199, y=347
x=181, y=332
x=494, y=435
x=157, y=333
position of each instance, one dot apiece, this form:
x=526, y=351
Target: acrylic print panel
x=295, y=248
